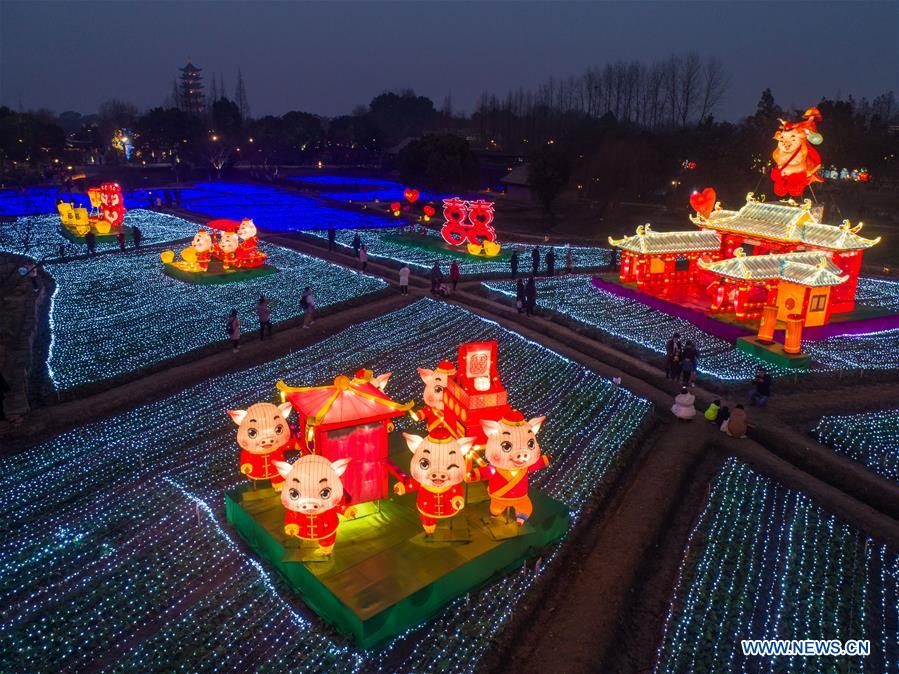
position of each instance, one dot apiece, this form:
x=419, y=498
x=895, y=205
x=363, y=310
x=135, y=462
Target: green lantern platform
x=772, y=353
x=112, y=237
x=384, y=577
x=215, y=276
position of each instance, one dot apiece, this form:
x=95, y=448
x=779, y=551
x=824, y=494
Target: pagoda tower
x=192, y=97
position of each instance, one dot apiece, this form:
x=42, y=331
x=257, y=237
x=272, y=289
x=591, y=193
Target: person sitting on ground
x=683, y=407
x=711, y=414
x=736, y=424
x=762, y=384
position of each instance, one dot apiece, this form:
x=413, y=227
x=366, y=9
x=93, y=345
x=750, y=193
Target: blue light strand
x=45, y=238
x=379, y=246
x=114, y=314
x=101, y=543
x=872, y=439
x=765, y=562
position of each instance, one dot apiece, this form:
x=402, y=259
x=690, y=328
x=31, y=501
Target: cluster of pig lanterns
x=472, y=434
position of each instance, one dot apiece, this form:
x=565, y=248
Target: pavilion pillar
x=767, y=324
x=793, y=339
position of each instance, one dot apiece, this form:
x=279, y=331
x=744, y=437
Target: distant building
x=517, y=183
x=193, y=100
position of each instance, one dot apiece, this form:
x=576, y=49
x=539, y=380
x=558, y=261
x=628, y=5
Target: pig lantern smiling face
x=202, y=241
x=312, y=484
x=437, y=463
x=262, y=428
x=435, y=381
x=512, y=446
x=228, y=242
x=247, y=229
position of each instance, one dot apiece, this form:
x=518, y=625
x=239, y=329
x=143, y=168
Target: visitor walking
x=454, y=274
x=4, y=389
x=233, y=330
x=404, y=279
x=520, y=297
x=530, y=296
x=121, y=237
x=673, y=350
x=513, y=264
x=683, y=407
x=535, y=261
x=332, y=236
x=436, y=278
x=762, y=384
x=32, y=275
x=91, y=240
x=307, y=302
x=264, y=311
x=688, y=364
x=357, y=244
x=550, y=261
x=62, y=251
x=136, y=236
x=736, y=424
x=569, y=260
x=363, y=257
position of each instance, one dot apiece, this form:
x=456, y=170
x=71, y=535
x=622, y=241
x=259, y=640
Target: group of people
x=680, y=360
x=549, y=259
x=731, y=421
x=439, y=288
x=264, y=314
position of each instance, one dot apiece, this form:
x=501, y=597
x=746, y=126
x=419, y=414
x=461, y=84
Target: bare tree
x=714, y=85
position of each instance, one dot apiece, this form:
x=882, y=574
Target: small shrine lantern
x=476, y=392
x=349, y=419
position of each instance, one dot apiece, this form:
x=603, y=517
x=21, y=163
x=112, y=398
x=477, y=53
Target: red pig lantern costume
x=262, y=434
x=435, y=382
x=438, y=473
x=313, y=497
x=796, y=161
x=514, y=454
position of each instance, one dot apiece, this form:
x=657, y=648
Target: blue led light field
x=635, y=322
x=117, y=313
x=272, y=208
x=764, y=562
x=118, y=556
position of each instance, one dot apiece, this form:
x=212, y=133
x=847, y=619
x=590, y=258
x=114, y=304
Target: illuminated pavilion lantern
x=349, y=419
x=476, y=392
x=664, y=259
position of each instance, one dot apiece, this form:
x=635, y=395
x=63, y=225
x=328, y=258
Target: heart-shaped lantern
x=703, y=202
x=411, y=195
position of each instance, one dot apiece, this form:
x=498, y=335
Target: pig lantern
x=262, y=433
x=435, y=382
x=313, y=497
x=438, y=471
x=513, y=453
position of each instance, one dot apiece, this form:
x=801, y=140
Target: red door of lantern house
x=349, y=419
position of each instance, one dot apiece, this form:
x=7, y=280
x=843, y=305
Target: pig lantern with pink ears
x=262, y=433
x=313, y=497
x=513, y=453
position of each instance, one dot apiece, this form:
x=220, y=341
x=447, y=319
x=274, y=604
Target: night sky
x=326, y=58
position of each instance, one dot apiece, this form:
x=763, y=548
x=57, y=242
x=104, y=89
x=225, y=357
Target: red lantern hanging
x=429, y=211
x=703, y=201
x=395, y=207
